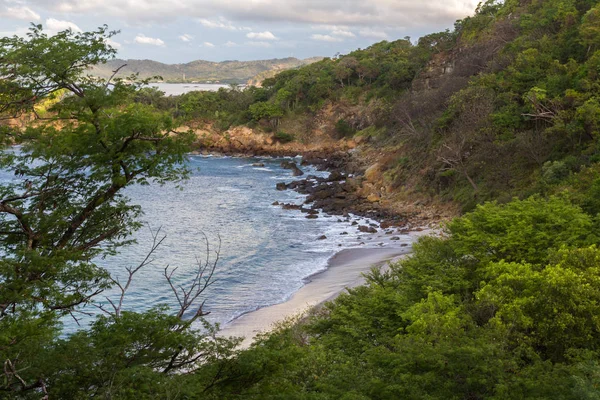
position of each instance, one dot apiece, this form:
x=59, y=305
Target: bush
x=283, y=137
x=344, y=129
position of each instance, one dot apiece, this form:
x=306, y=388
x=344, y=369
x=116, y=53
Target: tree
x=269, y=111
x=65, y=207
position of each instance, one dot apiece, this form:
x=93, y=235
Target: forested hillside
x=500, y=116
x=503, y=106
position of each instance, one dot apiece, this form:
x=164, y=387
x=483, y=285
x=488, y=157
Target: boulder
x=297, y=171
x=322, y=237
x=281, y=186
x=367, y=229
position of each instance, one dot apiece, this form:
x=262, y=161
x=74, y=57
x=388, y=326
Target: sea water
x=265, y=252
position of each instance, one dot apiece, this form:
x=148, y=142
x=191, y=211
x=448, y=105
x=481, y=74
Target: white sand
x=344, y=271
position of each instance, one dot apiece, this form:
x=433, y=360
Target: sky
x=179, y=31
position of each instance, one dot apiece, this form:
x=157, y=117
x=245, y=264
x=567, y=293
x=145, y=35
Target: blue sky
x=179, y=31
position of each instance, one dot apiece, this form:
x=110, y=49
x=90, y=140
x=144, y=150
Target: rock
x=291, y=207
x=297, y=171
x=354, y=223
x=258, y=164
x=373, y=198
x=281, y=186
x=404, y=245
x=335, y=176
x=292, y=165
x=372, y=173
x=395, y=238
x=322, y=237
x=344, y=233
x=367, y=229
x=276, y=203
x=312, y=216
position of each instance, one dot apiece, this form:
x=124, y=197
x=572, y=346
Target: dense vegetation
x=505, y=304
x=503, y=106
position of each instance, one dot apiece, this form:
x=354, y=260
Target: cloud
x=208, y=44
x=113, y=44
x=373, y=34
x=221, y=23
x=343, y=33
x=54, y=26
x=217, y=13
x=24, y=13
x=143, y=39
x=22, y=32
x=266, y=35
x=325, y=38
x=186, y=37
x=258, y=44
x=230, y=44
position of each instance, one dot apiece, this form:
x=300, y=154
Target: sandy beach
x=344, y=271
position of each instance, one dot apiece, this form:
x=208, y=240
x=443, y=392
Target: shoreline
x=344, y=270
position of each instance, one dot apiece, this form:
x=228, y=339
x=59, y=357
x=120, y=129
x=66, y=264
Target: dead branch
x=118, y=306
x=188, y=296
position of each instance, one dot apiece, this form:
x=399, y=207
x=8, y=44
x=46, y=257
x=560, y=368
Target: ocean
x=266, y=253
x=175, y=89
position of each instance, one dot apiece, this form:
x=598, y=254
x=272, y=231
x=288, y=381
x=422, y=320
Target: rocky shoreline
x=351, y=189
x=339, y=194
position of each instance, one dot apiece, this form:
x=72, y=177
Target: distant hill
x=201, y=71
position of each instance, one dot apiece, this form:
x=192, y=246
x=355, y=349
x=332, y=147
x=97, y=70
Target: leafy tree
x=65, y=208
x=269, y=111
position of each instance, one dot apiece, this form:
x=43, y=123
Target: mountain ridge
x=228, y=71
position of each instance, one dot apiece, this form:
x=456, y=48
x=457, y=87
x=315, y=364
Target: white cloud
x=186, y=37
x=143, y=39
x=373, y=34
x=343, y=33
x=325, y=38
x=266, y=35
x=221, y=23
x=54, y=26
x=258, y=44
x=378, y=14
x=208, y=44
x=113, y=44
x=230, y=44
x=24, y=13
x=22, y=32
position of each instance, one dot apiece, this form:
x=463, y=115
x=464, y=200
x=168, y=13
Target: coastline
x=344, y=270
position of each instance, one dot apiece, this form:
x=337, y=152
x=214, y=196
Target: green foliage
x=65, y=208
x=344, y=129
x=503, y=305
x=283, y=137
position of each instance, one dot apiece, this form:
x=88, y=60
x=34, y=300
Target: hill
x=202, y=71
